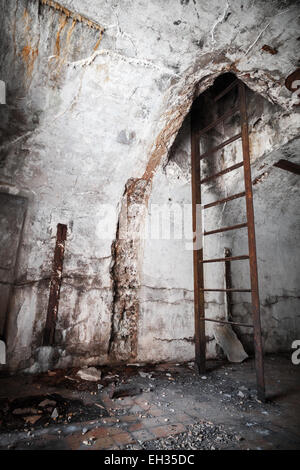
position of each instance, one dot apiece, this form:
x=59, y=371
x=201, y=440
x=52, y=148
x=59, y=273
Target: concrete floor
x=164, y=400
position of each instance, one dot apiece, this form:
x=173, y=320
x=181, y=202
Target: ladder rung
x=225, y=229
x=226, y=90
x=225, y=290
x=227, y=322
x=220, y=146
x=220, y=201
x=230, y=258
x=223, y=172
x=217, y=121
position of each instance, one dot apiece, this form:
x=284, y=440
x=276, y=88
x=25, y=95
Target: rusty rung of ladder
x=223, y=172
x=217, y=121
x=227, y=322
x=226, y=90
x=220, y=201
x=220, y=146
x=225, y=290
x=226, y=229
x=218, y=260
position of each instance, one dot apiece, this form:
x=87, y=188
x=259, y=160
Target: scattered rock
x=90, y=373
x=90, y=441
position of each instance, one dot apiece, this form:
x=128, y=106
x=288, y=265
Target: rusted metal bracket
x=71, y=14
x=55, y=285
x=288, y=166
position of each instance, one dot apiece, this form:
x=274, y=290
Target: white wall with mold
x=81, y=126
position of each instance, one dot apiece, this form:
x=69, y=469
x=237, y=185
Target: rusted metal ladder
x=199, y=288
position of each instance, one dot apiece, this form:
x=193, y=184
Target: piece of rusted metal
x=228, y=282
x=290, y=81
x=227, y=322
x=55, y=285
x=259, y=363
x=200, y=339
x=223, y=172
x=226, y=229
x=220, y=146
x=220, y=260
x=269, y=49
x=227, y=290
x=288, y=166
x=226, y=199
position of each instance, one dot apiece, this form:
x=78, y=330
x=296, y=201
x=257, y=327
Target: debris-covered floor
x=165, y=406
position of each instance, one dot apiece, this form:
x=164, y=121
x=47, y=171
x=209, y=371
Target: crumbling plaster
x=86, y=127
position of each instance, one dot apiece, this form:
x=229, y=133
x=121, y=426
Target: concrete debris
x=229, y=342
x=2, y=352
x=91, y=374
x=54, y=414
x=241, y=394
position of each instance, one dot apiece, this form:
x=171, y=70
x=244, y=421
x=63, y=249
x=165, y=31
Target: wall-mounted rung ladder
x=199, y=261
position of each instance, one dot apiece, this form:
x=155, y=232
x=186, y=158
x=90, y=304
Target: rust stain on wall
x=29, y=56
x=62, y=23
x=29, y=52
x=99, y=41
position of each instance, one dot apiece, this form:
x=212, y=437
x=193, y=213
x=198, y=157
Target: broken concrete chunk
x=229, y=342
x=54, y=414
x=90, y=373
x=2, y=352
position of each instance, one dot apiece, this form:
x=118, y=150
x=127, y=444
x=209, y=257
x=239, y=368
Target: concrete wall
x=91, y=122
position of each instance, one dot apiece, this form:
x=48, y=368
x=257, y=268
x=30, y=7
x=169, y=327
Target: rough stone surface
x=90, y=121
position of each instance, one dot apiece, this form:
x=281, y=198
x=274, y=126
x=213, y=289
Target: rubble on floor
x=198, y=436
x=162, y=406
